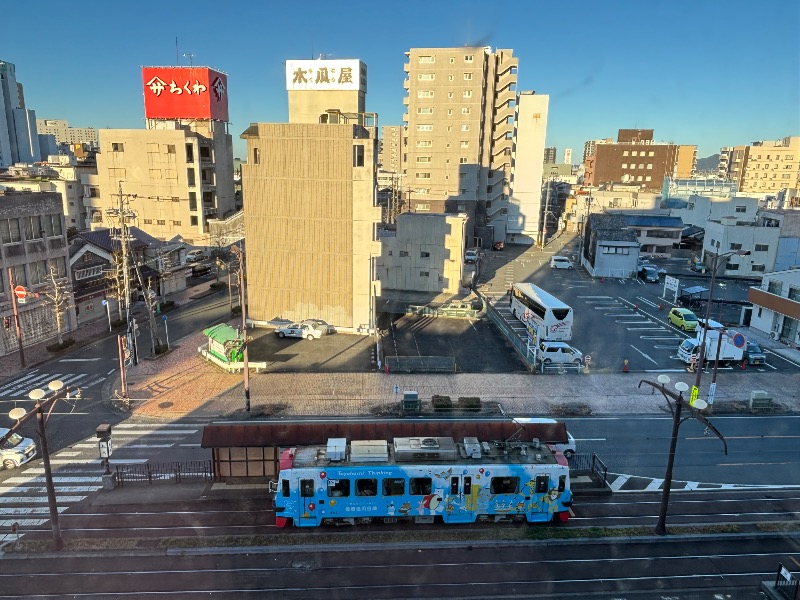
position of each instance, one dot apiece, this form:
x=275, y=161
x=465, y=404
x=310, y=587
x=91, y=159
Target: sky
x=710, y=73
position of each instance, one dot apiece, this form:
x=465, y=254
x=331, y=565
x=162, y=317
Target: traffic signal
x=7, y=322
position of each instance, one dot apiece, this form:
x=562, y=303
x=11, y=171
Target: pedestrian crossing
x=77, y=472
x=20, y=387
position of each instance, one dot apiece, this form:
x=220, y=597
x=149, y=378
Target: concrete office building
x=311, y=225
x=770, y=166
x=392, y=146
x=550, y=155
x=19, y=141
x=178, y=172
x=65, y=134
x=33, y=240
x=460, y=110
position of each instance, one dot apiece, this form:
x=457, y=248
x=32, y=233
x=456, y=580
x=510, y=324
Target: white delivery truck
x=728, y=351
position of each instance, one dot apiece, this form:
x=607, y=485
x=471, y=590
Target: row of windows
x=450, y=95
x=421, y=254
x=35, y=227
x=428, y=110
x=756, y=248
x=151, y=148
x=428, y=59
x=777, y=157
x=429, y=127
x=633, y=166
x=638, y=153
x=451, y=77
x=463, y=160
x=162, y=222
x=38, y=272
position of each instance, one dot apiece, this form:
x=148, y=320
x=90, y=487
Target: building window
x=465, y=127
x=625, y=153
x=423, y=159
x=426, y=127
x=449, y=112
x=469, y=58
x=451, y=77
x=741, y=209
x=193, y=221
x=424, y=143
x=424, y=274
x=462, y=160
x=148, y=221
x=170, y=148
x=189, y=153
x=641, y=165
x=465, y=110
x=467, y=94
x=422, y=206
x=425, y=94
x=117, y=147
x=423, y=176
x=427, y=59
x=731, y=266
x=648, y=178
x=426, y=76
x=651, y=153
x=735, y=246
x=424, y=110
x=176, y=223
x=403, y=253
x=190, y=177
x=624, y=165
x=358, y=155
x=424, y=254
x=467, y=76
x=761, y=248
x=649, y=165
x=758, y=268
x=256, y=156
x=464, y=144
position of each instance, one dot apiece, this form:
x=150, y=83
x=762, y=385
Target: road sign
x=738, y=340
x=164, y=317
x=587, y=360
x=695, y=393
x=105, y=302
x=20, y=292
x=693, y=359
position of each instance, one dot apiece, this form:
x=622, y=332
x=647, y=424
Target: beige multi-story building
x=178, y=174
x=310, y=225
x=65, y=134
x=318, y=89
x=460, y=115
x=770, y=166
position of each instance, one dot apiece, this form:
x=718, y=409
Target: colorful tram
x=420, y=479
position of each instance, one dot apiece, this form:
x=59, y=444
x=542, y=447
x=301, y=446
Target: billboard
x=326, y=75
x=185, y=93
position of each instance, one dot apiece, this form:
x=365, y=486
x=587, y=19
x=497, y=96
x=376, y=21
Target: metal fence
x=518, y=344
x=786, y=585
x=177, y=471
x=590, y=463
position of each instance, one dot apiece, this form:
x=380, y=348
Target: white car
x=559, y=353
x=471, y=256
x=560, y=262
x=299, y=330
x=195, y=255
x=16, y=450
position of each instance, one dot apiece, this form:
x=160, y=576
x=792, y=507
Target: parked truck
x=728, y=351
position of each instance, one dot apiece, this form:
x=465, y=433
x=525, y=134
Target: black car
x=201, y=269
x=648, y=274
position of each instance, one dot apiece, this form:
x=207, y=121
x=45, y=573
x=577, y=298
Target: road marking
x=22, y=522
x=151, y=425
x=619, y=482
x=39, y=499
x=79, y=359
x=654, y=485
x=644, y=355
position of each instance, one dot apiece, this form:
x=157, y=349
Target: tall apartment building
x=635, y=159
x=390, y=152
x=770, y=166
x=732, y=160
x=65, y=134
x=311, y=225
x=550, y=155
x=19, y=140
x=178, y=172
x=589, y=146
x=460, y=107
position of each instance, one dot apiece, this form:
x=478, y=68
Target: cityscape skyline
x=706, y=76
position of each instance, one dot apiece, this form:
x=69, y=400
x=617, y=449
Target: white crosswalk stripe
x=19, y=388
x=77, y=470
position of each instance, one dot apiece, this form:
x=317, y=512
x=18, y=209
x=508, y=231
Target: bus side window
x=467, y=485
x=306, y=488
x=562, y=483
x=285, y=488
x=541, y=484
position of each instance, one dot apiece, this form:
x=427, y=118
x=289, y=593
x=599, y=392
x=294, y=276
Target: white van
x=568, y=450
x=560, y=262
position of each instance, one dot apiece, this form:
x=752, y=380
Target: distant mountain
x=709, y=163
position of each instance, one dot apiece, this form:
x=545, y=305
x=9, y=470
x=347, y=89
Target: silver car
x=16, y=450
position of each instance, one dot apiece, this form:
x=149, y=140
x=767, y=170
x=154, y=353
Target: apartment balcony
x=506, y=80
x=405, y=118
x=503, y=115
x=405, y=101
x=406, y=83
x=406, y=66
x=500, y=146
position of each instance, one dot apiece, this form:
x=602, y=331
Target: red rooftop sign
x=185, y=93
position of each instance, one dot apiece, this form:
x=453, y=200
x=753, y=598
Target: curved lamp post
x=43, y=404
x=694, y=409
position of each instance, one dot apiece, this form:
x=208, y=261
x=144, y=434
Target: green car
x=683, y=318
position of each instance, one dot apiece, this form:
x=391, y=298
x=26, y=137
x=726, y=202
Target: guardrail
x=518, y=344
x=177, y=471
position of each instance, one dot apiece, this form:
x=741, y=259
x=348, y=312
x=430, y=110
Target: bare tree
x=58, y=294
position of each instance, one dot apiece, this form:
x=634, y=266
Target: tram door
x=461, y=507
x=308, y=505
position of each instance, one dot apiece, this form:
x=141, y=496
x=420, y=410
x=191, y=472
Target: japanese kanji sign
x=326, y=75
x=185, y=93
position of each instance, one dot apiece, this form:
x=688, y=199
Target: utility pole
x=17, y=322
x=237, y=250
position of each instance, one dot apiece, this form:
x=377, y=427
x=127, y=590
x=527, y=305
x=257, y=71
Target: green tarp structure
x=224, y=342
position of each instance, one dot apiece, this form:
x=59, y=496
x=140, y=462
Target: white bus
x=546, y=317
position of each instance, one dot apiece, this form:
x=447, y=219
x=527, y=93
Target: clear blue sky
x=711, y=73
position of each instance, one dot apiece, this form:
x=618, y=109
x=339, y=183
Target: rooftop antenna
x=190, y=56
x=177, y=58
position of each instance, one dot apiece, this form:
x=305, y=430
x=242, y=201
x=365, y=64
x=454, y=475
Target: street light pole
x=714, y=267
x=237, y=250
x=661, y=525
